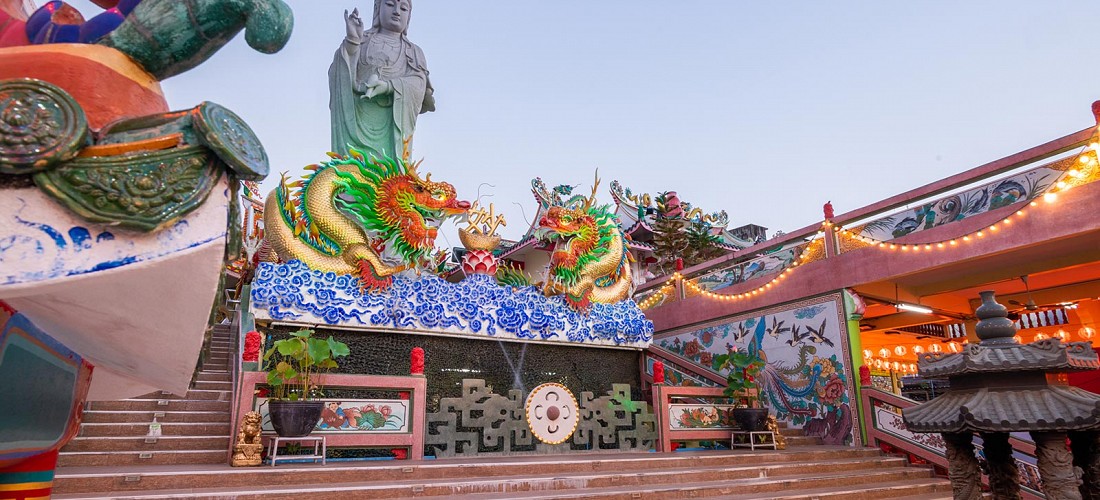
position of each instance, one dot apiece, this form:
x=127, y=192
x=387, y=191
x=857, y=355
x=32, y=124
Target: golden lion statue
x=248, y=450
x=250, y=429
x=780, y=440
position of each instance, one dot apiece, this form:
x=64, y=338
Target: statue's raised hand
x=354, y=24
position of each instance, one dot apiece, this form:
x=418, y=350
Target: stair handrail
x=235, y=368
x=885, y=426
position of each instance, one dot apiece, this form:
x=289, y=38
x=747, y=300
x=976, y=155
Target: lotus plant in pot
x=294, y=366
x=744, y=368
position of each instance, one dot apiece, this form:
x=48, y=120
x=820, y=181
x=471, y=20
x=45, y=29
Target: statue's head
x=392, y=15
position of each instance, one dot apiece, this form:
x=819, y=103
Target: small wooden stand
x=753, y=439
x=320, y=448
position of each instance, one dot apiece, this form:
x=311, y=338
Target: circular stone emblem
x=552, y=413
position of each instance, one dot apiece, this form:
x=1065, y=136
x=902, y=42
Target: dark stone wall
x=448, y=360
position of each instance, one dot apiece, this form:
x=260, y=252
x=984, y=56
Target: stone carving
x=1004, y=476
x=482, y=422
x=551, y=412
x=378, y=83
x=248, y=451
x=1059, y=480
x=615, y=422
x=966, y=476
x=1085, y=446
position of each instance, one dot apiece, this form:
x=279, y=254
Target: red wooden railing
x=663, y=396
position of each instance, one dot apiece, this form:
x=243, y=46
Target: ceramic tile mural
x=991, y=196
x=354, y=415
x=700, y=416
x=807, y=380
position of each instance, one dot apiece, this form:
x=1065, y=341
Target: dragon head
x=574, y=233
x=391, y=200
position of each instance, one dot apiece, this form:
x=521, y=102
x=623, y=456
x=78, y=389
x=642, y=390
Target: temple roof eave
x=1006, y=410
x=1045, y=355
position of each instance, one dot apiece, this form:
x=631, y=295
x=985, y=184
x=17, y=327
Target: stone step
x=192, y=394
x=209, y=376
x=788, y=489
x=746, y=464
x=162, y=443
x=161, y=405
x=101, y=417
x=167, y=429
x=116, y=459
x=212, y=385
x=802, y=440
x=939, y=495
x=666, y=483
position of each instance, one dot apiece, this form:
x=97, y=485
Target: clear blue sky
x=764, y=109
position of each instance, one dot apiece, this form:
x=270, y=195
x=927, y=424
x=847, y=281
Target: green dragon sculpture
x=368, y=217
x=590, y=261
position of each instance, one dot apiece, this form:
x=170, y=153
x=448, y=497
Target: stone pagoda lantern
x=999, y=386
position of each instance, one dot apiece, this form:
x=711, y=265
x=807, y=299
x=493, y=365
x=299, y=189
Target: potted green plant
x=294, y=365
x=744, y=368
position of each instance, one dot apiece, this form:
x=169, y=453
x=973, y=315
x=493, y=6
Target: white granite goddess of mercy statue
x=378, y=83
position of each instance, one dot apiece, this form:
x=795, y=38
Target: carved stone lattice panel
x=482, y=422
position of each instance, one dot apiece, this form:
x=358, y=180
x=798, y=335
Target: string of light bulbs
x=661, y=293
x=1080, y=174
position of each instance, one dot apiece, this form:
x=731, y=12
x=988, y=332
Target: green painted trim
x=855, y=343
x=43, y=476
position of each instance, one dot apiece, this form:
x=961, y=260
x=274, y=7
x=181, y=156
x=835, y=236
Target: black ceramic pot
x=751, y=419
x=294, y=418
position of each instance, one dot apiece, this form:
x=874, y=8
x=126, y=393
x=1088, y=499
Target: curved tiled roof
x=1010, y=409
x=1044, y=355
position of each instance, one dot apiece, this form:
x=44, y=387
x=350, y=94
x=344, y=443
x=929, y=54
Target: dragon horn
x=591, y=202
x=411, y=169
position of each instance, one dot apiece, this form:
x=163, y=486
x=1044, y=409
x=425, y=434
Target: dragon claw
x=370, y=280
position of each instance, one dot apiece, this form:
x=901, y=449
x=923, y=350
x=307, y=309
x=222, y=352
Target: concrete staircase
x=113, y=458
x=195, y=427
x=804, y=472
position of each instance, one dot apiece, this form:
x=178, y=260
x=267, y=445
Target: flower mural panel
x=806, y=380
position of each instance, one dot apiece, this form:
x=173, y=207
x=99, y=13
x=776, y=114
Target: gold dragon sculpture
x=367, y=217
x=589, y=262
